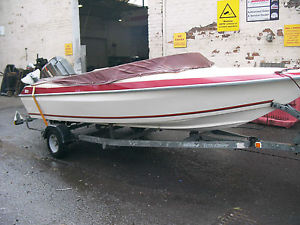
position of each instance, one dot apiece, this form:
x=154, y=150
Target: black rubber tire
x=55, y=143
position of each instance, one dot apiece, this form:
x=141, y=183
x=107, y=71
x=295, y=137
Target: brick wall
x=155, y=17
x=42, y=27
x=198, y=18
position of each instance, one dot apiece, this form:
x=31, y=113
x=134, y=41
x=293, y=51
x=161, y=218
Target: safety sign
x=262, y=10
x=180, y=40
x=228, y=15
x=292, y=35
x=68, y=49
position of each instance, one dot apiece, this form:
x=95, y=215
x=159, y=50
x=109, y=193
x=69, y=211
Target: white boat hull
x=198, y=106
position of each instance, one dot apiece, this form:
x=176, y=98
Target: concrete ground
x=144, y=186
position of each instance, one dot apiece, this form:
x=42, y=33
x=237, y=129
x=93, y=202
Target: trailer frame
x=60, y=134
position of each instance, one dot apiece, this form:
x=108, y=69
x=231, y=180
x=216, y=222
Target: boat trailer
x=61, y=134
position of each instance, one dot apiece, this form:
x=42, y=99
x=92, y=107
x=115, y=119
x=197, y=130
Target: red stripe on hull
x=148, y=84
x=158, y=116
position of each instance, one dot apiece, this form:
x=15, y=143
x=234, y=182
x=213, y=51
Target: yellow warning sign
x=68, y=49
x=228, y=15
x=292, y=35
x=227, y=12
x=180, y=40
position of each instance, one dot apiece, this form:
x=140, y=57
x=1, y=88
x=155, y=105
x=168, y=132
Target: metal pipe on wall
x=164, y=32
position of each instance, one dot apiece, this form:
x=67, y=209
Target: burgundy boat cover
x=167, y=64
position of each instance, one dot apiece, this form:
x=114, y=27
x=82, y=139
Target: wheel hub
x=53, y=143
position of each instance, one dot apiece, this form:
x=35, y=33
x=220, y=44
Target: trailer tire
x=55, y=142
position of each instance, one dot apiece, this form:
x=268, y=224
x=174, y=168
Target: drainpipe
x=164, y=38
x=76, y=36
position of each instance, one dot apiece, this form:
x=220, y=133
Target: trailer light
x=258, y=145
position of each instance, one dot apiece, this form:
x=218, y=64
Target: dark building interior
x=113, y=32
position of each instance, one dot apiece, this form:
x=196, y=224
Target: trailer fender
x=66, y=136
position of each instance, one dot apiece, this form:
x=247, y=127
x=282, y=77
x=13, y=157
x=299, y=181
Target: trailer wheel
x=55, y=143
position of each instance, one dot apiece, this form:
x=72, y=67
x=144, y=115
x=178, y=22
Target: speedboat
x=182, y=91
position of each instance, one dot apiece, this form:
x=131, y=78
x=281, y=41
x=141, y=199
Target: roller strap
x=38, y=106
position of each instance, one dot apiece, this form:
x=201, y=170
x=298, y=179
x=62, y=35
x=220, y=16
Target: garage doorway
x=114, y=32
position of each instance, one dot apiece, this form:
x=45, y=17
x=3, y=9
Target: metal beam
x=165, y=144
x=287, y=108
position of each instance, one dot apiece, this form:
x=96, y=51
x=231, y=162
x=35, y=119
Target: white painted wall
x=42, y=27
x=248, y=47
x=155, y=26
